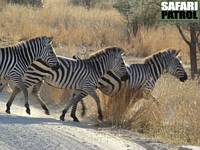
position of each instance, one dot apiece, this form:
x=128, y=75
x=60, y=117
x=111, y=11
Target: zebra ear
x=76, y=57
x=178, y=52
x=50, y=40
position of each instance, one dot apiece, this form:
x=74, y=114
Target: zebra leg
x=25, y=92
x=69, y=103
x=94, y=95
x=73, y=111
x=74, y=98
x=11, y=99
x=83, y=109
x=36, y=94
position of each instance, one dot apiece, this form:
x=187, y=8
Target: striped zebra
x=143, y=76
x=110, y=84
x=14, y=61
x=80, y=75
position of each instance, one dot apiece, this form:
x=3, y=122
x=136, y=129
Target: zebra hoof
x=7, y=111
x=76, y=120
x=28, y=111
x=100, y=118
x=47, y=112
x=62, y=118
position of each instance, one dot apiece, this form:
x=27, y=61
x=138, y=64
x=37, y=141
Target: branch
x=182, y=34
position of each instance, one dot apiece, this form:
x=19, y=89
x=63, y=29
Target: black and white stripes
x=144, y=76
x=80, y=75
x=105, y=71
x=14, y=61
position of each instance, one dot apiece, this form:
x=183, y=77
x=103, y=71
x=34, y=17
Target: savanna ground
x=78, y=31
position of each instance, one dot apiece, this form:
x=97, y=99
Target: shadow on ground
x=26, y=120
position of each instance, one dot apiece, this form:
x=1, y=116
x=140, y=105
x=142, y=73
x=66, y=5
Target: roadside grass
x=176, y=119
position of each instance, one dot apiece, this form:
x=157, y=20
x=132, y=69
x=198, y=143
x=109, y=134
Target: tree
x=194, y=30
x=137, y=14
x=147, y=13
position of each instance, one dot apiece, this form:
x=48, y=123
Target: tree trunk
x=193, y=57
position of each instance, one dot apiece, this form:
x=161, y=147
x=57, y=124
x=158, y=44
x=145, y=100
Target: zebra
x=14, y=61
x=110, y=84
x=143, y=76
x=80, y=75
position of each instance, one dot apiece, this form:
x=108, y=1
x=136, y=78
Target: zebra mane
x=107, y=50
x=37, y=38
x=166, y=52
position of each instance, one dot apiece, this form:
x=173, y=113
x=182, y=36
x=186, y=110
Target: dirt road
x=40, y=132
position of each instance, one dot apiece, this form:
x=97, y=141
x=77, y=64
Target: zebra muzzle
x=184, y=78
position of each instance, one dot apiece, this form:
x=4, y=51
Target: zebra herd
x=143, y=76
x=32, y=62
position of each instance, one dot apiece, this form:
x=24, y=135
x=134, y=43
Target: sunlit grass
x=176, y=119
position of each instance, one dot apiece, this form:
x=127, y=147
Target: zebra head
x=47, y=53
x=175, y=66
x=120, y=68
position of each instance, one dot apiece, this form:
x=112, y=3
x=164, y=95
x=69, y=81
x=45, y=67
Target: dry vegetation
x=73, y=27
x=176, y=119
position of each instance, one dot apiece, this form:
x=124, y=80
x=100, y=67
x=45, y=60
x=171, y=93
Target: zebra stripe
x=144, y=76
x=112, y=82
x=14, y=61
x=81, y=75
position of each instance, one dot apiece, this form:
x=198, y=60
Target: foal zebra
x=80, y=75
x=14, y=61
x=143, y=76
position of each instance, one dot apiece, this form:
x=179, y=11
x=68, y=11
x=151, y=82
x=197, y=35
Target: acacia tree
x=137, y=14
x=147, y=13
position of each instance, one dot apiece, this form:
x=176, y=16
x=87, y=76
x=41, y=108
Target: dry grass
x=69, y=25
x=177, y=119
x=75, y=28
x=149, y=41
